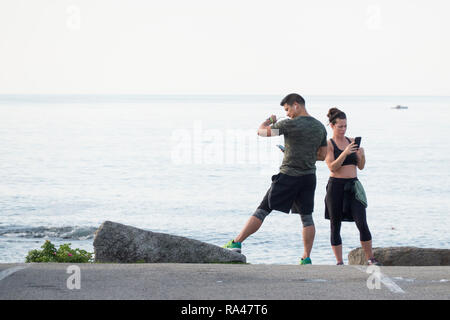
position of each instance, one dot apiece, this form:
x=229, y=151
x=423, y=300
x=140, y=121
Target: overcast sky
x=396, y=47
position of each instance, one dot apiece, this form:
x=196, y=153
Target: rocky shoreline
x=403, y=256
x=119, y=243
x=115, y=242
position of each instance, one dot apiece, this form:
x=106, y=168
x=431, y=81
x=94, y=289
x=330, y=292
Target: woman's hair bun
x=334, y=114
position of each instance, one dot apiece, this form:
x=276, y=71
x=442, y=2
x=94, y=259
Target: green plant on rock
x=64, y=254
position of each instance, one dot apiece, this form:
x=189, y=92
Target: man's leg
x=252, y=225
x=308, y=232
x=256, y=220
x=304, y=204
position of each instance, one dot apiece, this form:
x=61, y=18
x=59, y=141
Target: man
x=293, y=188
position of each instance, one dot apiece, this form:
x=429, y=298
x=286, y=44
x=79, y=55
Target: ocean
x=193, y=166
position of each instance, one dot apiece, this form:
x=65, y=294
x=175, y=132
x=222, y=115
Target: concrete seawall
x=220, y=282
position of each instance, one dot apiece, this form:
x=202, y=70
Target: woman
x=345, y=199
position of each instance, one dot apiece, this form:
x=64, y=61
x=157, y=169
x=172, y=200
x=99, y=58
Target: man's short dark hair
x=291, y=98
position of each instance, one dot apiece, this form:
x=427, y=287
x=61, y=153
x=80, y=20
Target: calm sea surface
x=194, y=166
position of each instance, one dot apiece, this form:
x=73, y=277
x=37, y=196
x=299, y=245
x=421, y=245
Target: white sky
x=396, y=47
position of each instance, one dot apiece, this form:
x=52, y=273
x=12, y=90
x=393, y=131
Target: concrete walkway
x=220, y=282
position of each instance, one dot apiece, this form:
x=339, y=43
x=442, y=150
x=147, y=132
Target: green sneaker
x=305, y=261
x=233, y=246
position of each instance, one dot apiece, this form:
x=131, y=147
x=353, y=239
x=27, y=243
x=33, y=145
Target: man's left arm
x=322, y=151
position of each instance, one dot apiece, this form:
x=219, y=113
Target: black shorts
x=290, y=193
x=340, y=205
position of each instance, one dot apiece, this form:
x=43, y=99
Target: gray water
x=194, y=166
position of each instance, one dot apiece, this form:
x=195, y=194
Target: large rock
x=403, y=256
x=115, y=242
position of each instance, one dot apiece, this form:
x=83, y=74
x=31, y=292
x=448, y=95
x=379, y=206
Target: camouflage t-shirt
x=302, y=138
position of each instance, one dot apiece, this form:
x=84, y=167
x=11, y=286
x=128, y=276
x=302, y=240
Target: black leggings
x=334, y=203
x=361, y=224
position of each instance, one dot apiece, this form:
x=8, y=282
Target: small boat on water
x=400, y=107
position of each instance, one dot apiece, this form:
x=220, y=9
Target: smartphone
x=281, y=147
x=358, y=141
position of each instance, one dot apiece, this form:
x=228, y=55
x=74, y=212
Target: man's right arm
x=265, y=129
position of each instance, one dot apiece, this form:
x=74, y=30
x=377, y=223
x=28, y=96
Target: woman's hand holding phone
x=351, y=148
